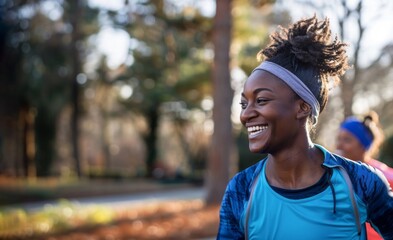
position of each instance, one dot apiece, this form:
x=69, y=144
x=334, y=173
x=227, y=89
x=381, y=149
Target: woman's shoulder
x=237, y=192
x=245, y=177
x=358, y=170
x=369, y=182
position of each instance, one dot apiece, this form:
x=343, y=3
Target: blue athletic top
x=327, y=214
x=303, y=218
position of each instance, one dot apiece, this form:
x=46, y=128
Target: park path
x=121, y=200
x=134, y=199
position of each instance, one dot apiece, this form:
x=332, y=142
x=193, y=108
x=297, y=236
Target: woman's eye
x=243, y=105
x=262, y=100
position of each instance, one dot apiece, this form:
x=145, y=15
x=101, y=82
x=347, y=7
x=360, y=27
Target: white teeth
x=256, y=129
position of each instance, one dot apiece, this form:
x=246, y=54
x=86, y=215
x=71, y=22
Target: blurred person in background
x=360, y=140
x=300, y=190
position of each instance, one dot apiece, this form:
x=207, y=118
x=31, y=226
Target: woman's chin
x=255, y=149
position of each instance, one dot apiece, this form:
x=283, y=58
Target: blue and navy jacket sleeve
x=374, y=190
x=234, y=201
x=229, y=227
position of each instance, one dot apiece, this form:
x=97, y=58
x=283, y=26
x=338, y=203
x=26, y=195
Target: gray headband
x=294, y=83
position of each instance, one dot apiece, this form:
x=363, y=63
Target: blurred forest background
x=150, y=88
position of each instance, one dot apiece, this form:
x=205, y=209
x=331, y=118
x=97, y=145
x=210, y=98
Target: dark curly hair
x=306, y=49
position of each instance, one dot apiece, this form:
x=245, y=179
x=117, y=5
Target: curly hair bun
x=309, y=41
x=371, y=121
x=371, y=117
x=306, y=49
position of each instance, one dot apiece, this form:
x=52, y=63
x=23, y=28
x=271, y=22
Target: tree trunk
x=350, y=81
x=347, y=94
x=76, y=64
x=29, y=148
x=222, y=142
x=151, y=140
x=106, y=140
x=45, y=129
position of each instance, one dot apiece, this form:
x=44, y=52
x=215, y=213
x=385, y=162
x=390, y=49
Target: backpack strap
x=249, y=207
x=352, y=196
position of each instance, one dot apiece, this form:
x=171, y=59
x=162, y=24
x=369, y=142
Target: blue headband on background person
x=294, y=83
x=359, y=130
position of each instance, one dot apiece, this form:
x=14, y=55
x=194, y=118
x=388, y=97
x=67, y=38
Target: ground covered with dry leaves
x=189, y=219
x=181, y=219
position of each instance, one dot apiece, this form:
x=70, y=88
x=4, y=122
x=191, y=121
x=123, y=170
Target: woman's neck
x=295, y=169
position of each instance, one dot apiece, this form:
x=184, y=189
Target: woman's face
x=269, y=110
x=348, y=146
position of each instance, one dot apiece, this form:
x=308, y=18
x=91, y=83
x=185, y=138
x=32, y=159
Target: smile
x=255, y=130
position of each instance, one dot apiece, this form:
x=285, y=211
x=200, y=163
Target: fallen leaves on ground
x=165, y=220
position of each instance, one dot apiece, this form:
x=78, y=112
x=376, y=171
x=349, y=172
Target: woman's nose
x=247, y=113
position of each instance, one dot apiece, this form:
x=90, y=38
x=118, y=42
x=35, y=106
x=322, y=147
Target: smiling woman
x=273, y=99
x=300, y=190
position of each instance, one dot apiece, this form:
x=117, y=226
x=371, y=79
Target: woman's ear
x=304, y=110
